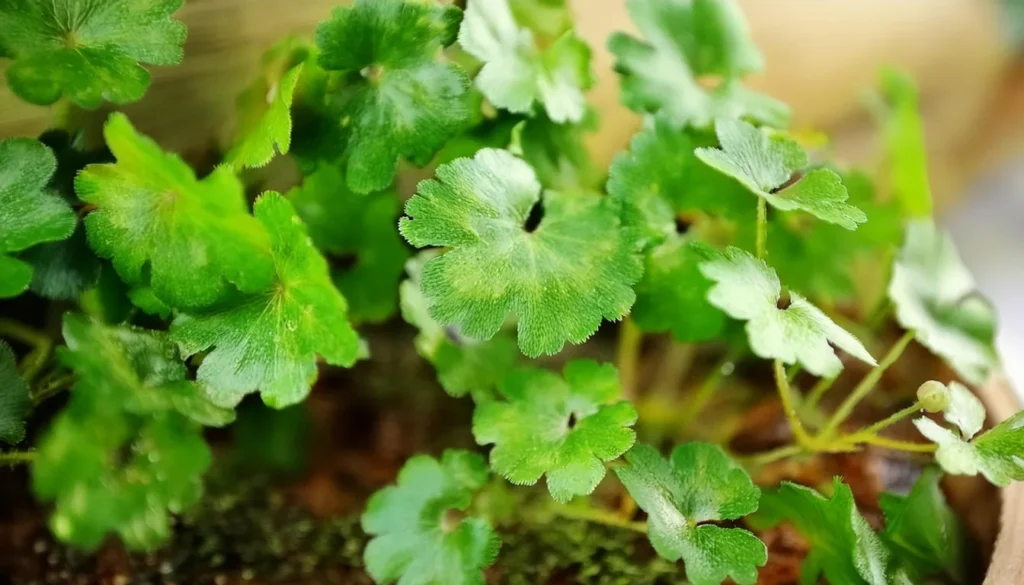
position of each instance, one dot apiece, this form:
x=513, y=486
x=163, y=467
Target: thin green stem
x=627, y=356
x=774, y=455
x=789, y=406
x=17, y=457
x=675, y=363
x=762, y=227
x=819, y=389
x=599, y=516
x=52, y=387
x=866, y=385
x=699, y=400
x=793, y=372
x=890, y=420
x=40, y=343
x=896, y=445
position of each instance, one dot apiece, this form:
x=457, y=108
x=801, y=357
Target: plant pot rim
x=1007, y=564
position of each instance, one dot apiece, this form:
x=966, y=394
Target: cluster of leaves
x=715, y=215
x=922, y=535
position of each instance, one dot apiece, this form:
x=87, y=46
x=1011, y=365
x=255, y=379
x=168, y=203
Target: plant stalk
x=12, y=458
x=627, y=357
x=40, y=343
x=891, y=420
x=762, y=227
x=789, y=407
x=866, y=385
x=699, y=400
x=599, y=516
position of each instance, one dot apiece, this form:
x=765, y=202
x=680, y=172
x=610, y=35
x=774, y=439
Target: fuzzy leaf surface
x=15, y=404
x=400, y=99
x=696, y=485
x=412, y=542
x=269, y=341
x=463, y=365
x=557, y=279
x=87, y=50
x=128, y=449
x=360, y=228
x=192, y=237
x=517, y=73
x=264, y=125
x=30, y=213
x=562, y=427
x=763, y=164
x=844, y=548
x=684, y=40
x=747, y=289
x=936, y=297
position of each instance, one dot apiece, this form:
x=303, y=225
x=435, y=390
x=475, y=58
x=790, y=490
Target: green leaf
x=361, y=229
x=15, y=404
x=965, y=410
x=673, y=295
x=557, y=152
x=415, y=540
x=87, y=50
x=65, y=269
x=269, y=341
x=463, y=365
x=747, y=289
x=127, y=450
x=936, y=297
x=556, y=278
x=548, y=19
x=839, y=256
x=996, y=453
x=192, y=236
x=517, y=72
x=763, y=164
x=264, y=124
x=397, y=97
x=697, y=485
x=686, y=40
x=923, y=531
x=660, y=177
x=903, y=135
x=30, y=213
x=844, y=548
x=565, y=429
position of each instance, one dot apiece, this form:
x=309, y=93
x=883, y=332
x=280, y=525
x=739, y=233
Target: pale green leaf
x=565, y=428
x=936, y=297
x=764, y=164
x=413, y=540
x=556, y=277
x=749, y=290
x=517, y=72
x=998, y=454
x=686, y=40
x=697, y=485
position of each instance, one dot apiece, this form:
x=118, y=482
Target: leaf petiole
x=17, y=458
x=789, y=407
x=627, y=356
x=866, y=385
x=41, y=344
x=762, y=227
x=598, y=516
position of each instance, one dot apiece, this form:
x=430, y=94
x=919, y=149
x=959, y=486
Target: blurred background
x=823, y=58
